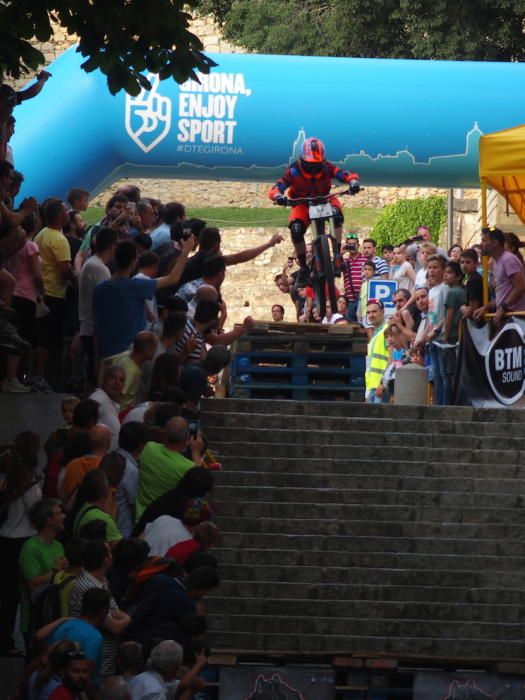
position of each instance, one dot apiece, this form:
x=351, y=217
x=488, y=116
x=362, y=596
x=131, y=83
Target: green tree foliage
x=483, y=30
x=399, y=221
x=120, y=37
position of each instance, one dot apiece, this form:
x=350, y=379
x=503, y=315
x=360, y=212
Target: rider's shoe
x=303, y=277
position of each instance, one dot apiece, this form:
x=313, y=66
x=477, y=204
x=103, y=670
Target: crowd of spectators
x=436, y=289
x=108, y=549
x=109, y=557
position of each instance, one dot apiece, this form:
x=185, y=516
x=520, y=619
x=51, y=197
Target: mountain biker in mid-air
x=310, y=176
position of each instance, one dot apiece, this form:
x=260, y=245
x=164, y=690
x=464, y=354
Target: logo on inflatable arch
x=504, y=364
x=148, y=116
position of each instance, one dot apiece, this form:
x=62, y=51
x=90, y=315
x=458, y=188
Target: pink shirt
x=20, y=267
x=502, y=269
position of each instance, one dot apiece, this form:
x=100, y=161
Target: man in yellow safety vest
x=377, y=355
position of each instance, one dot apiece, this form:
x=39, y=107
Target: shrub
x=399, y=221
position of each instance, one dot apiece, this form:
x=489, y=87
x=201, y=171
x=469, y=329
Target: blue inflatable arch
x=397, y=123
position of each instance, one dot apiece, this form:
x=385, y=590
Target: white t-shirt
x=436, y=304
x=17, y=523
x=150, y=685
x=137, y=413
x=333, y=319
x=421, y=277
x=163, y=533
x=108, y=414
x=401, y=277
x=93, y=272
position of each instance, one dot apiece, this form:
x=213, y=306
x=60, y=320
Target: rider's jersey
x=301, y=184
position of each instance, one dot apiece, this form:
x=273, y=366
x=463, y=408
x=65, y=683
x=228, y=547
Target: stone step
x=361, y=575
x=366, y=481
x=349, y=408
x=305, y=439
x=368, y=496
x=261, y=449
x=354, y=528
x=277, y=590
x=366, y=543
x=364, y=644
x=356, y=465
x=369, y=610
x=387, y=513
x=326, y=558
x=339, y=626
x=322, y=527
x=361, y=423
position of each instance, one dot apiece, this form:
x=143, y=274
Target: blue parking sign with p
x=383, y=290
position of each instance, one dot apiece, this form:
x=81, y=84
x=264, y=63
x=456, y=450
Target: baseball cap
x=376, y=301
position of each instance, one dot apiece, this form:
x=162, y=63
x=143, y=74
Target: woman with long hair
x=19, y=491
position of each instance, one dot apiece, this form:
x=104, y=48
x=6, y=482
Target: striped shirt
x=190, y=332
x=353, y=276
x=110, y=643
x=382, y=267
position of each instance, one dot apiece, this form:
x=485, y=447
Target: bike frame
x=323, y=261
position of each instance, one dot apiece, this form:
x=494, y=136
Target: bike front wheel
x=324, y=286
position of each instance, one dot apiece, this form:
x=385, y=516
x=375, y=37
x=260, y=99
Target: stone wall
x=249, y=288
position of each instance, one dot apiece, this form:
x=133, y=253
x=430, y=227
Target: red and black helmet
x=313, y=151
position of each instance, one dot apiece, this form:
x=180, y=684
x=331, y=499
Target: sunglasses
x=76, y=655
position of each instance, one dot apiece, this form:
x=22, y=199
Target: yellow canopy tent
x=502, y=167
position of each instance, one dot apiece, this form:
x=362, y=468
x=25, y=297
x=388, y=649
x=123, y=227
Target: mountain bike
x=326, y=262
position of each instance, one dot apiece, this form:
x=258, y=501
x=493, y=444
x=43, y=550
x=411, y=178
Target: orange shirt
x=76, y=470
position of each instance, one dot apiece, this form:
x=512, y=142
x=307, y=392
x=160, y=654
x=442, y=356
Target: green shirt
x=160, y=471
x=87, y=513
x=36, y=558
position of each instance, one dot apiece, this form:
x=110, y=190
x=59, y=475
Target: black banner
x=491, y=372
x=467, y=686
x=269, y=683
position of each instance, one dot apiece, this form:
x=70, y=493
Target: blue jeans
x=443, y=368
x=372, y=398
x=351, y=311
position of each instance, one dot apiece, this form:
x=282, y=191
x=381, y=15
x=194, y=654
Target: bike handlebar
x=320, y=199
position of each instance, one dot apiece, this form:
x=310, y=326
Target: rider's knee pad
x=338, y=217
x=298, y=229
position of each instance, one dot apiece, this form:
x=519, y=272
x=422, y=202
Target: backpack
x=141, y=609
x=45, y=604
x=92, y=231
x=156, y=565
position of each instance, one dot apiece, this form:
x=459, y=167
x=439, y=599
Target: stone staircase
x=351, y=529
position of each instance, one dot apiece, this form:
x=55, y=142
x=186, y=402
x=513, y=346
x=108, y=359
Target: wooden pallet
x=315, y=343
x=299, y=377
x=284, y=391
x=246, y=361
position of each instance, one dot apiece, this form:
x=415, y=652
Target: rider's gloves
x=282, y=201
x=354, y=186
